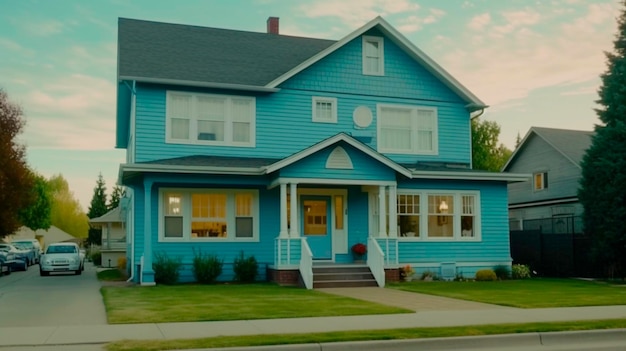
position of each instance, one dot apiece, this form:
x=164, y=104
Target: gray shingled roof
x=215, y=161
x=571, y=143
x=209, y=55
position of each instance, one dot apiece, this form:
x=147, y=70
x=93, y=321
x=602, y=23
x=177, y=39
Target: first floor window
x=437, y=215
x=209, y=214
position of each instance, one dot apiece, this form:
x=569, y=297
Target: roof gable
x=413, y=51
x=572, y=144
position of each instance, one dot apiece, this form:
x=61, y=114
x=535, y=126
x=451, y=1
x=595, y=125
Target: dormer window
x=373, y=56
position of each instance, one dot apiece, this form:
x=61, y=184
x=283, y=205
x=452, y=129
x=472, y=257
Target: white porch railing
x=376, y=261
x=287, y=253
x=306, y=264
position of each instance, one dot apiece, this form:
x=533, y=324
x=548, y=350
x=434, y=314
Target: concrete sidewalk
x=431, y=311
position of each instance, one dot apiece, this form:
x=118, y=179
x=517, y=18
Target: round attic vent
x=362, y=117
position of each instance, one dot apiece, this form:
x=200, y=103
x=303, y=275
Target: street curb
x=495, y=342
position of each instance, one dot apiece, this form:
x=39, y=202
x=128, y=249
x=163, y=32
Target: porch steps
x=342, y=276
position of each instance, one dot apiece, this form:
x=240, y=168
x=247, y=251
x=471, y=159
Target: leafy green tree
x=97, y=208
x=66, y=213
x=15, y=177
x=603, y=182
x=38, y=214
x=487, y=153
x=117, y=194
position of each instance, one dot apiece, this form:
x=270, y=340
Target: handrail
x=306, y=264
x=376, y=261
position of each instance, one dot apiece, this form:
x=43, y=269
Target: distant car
x=61, y=257
x=30, y=252
x=32, y=244
x=22, y=257
x=7, y=262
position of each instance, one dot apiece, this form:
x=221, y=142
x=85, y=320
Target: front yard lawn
x=529, y=293
x=191, y=303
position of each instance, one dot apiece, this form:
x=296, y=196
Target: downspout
x=480, y=113
x=129, y=213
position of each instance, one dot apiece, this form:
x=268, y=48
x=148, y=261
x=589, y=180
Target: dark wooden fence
x=552, y=254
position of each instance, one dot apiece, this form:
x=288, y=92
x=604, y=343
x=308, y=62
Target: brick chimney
x=272, y=25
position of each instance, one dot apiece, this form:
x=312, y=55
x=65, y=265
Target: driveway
x=29, y=300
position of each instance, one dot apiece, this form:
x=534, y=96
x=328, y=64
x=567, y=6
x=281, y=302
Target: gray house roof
x=113, y=216
x=190, y=53
x=572, y=144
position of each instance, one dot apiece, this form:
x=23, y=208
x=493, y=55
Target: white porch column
x=284, y=231
x=382, y=212
x=393, y=212
x=293, y=192
x=147, y=273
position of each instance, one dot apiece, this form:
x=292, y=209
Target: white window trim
x=332, y=101
x=193, y=123
x=414, y=130
x=230, y=215
x=423, y=194
x=381, y=52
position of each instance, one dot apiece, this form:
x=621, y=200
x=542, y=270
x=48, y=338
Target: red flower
x=359, y=249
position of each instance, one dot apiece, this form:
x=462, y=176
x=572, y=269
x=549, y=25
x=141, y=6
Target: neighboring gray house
x=549, y=201
x=113, y=236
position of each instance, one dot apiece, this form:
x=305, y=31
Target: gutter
x=191, y=83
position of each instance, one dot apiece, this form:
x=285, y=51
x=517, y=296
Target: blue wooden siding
x=284, y=119
x=314, y=166
x=494, y=245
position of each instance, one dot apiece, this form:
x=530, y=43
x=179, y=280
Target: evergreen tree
x=97, y=208
x=518, y=140
x=117, y=194
x=487, y=153
x=603, y=183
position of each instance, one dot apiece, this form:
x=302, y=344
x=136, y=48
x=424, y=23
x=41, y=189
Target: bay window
x=194, y=118
x=208, y=214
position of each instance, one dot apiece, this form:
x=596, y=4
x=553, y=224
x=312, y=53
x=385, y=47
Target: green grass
x=529, y=293
x=191, y=303
x=389, y=334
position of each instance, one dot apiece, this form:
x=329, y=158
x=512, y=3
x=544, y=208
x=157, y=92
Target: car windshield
x=61, y=249
x=23, y=243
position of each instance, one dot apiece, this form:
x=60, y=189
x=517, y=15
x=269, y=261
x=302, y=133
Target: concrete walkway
x=431, y=312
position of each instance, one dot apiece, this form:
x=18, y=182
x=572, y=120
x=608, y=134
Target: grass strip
x=362, y=335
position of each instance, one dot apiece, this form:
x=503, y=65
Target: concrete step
x=343, y=284
x=335, y=276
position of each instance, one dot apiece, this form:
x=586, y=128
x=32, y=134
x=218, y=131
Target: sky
x=535, y=63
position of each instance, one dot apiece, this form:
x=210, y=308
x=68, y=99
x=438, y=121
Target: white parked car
x=61, y=257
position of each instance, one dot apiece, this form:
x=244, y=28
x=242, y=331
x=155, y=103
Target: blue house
x=294, y=149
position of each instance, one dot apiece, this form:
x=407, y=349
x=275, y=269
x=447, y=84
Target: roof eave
x=191, y=83
x=447, y=175
x=128, y=169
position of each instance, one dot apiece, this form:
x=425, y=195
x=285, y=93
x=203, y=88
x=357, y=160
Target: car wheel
x=78, y=272
x=43, y=273
x=25, y=266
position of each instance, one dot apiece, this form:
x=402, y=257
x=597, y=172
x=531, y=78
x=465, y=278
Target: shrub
x=428, y=275
x=245, y=268
x=520, y=271
x=484, y=275
x=166, y=268
x=121, y=263
x=96, y=258
x=502, y=272
x=206, y=267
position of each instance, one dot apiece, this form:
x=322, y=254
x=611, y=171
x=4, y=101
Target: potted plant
x=358, y=251
x=406, y=273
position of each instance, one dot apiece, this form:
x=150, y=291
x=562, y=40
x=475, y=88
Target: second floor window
x=407, y=129
x=540, y=181
x=324, y=109
x=210, y=119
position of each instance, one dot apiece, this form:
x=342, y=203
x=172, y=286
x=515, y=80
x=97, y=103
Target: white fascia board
x=333, y=140
x=509, y=177
x=191, y=83
x=518, y=148
x=326, y=181
x=157, y=168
